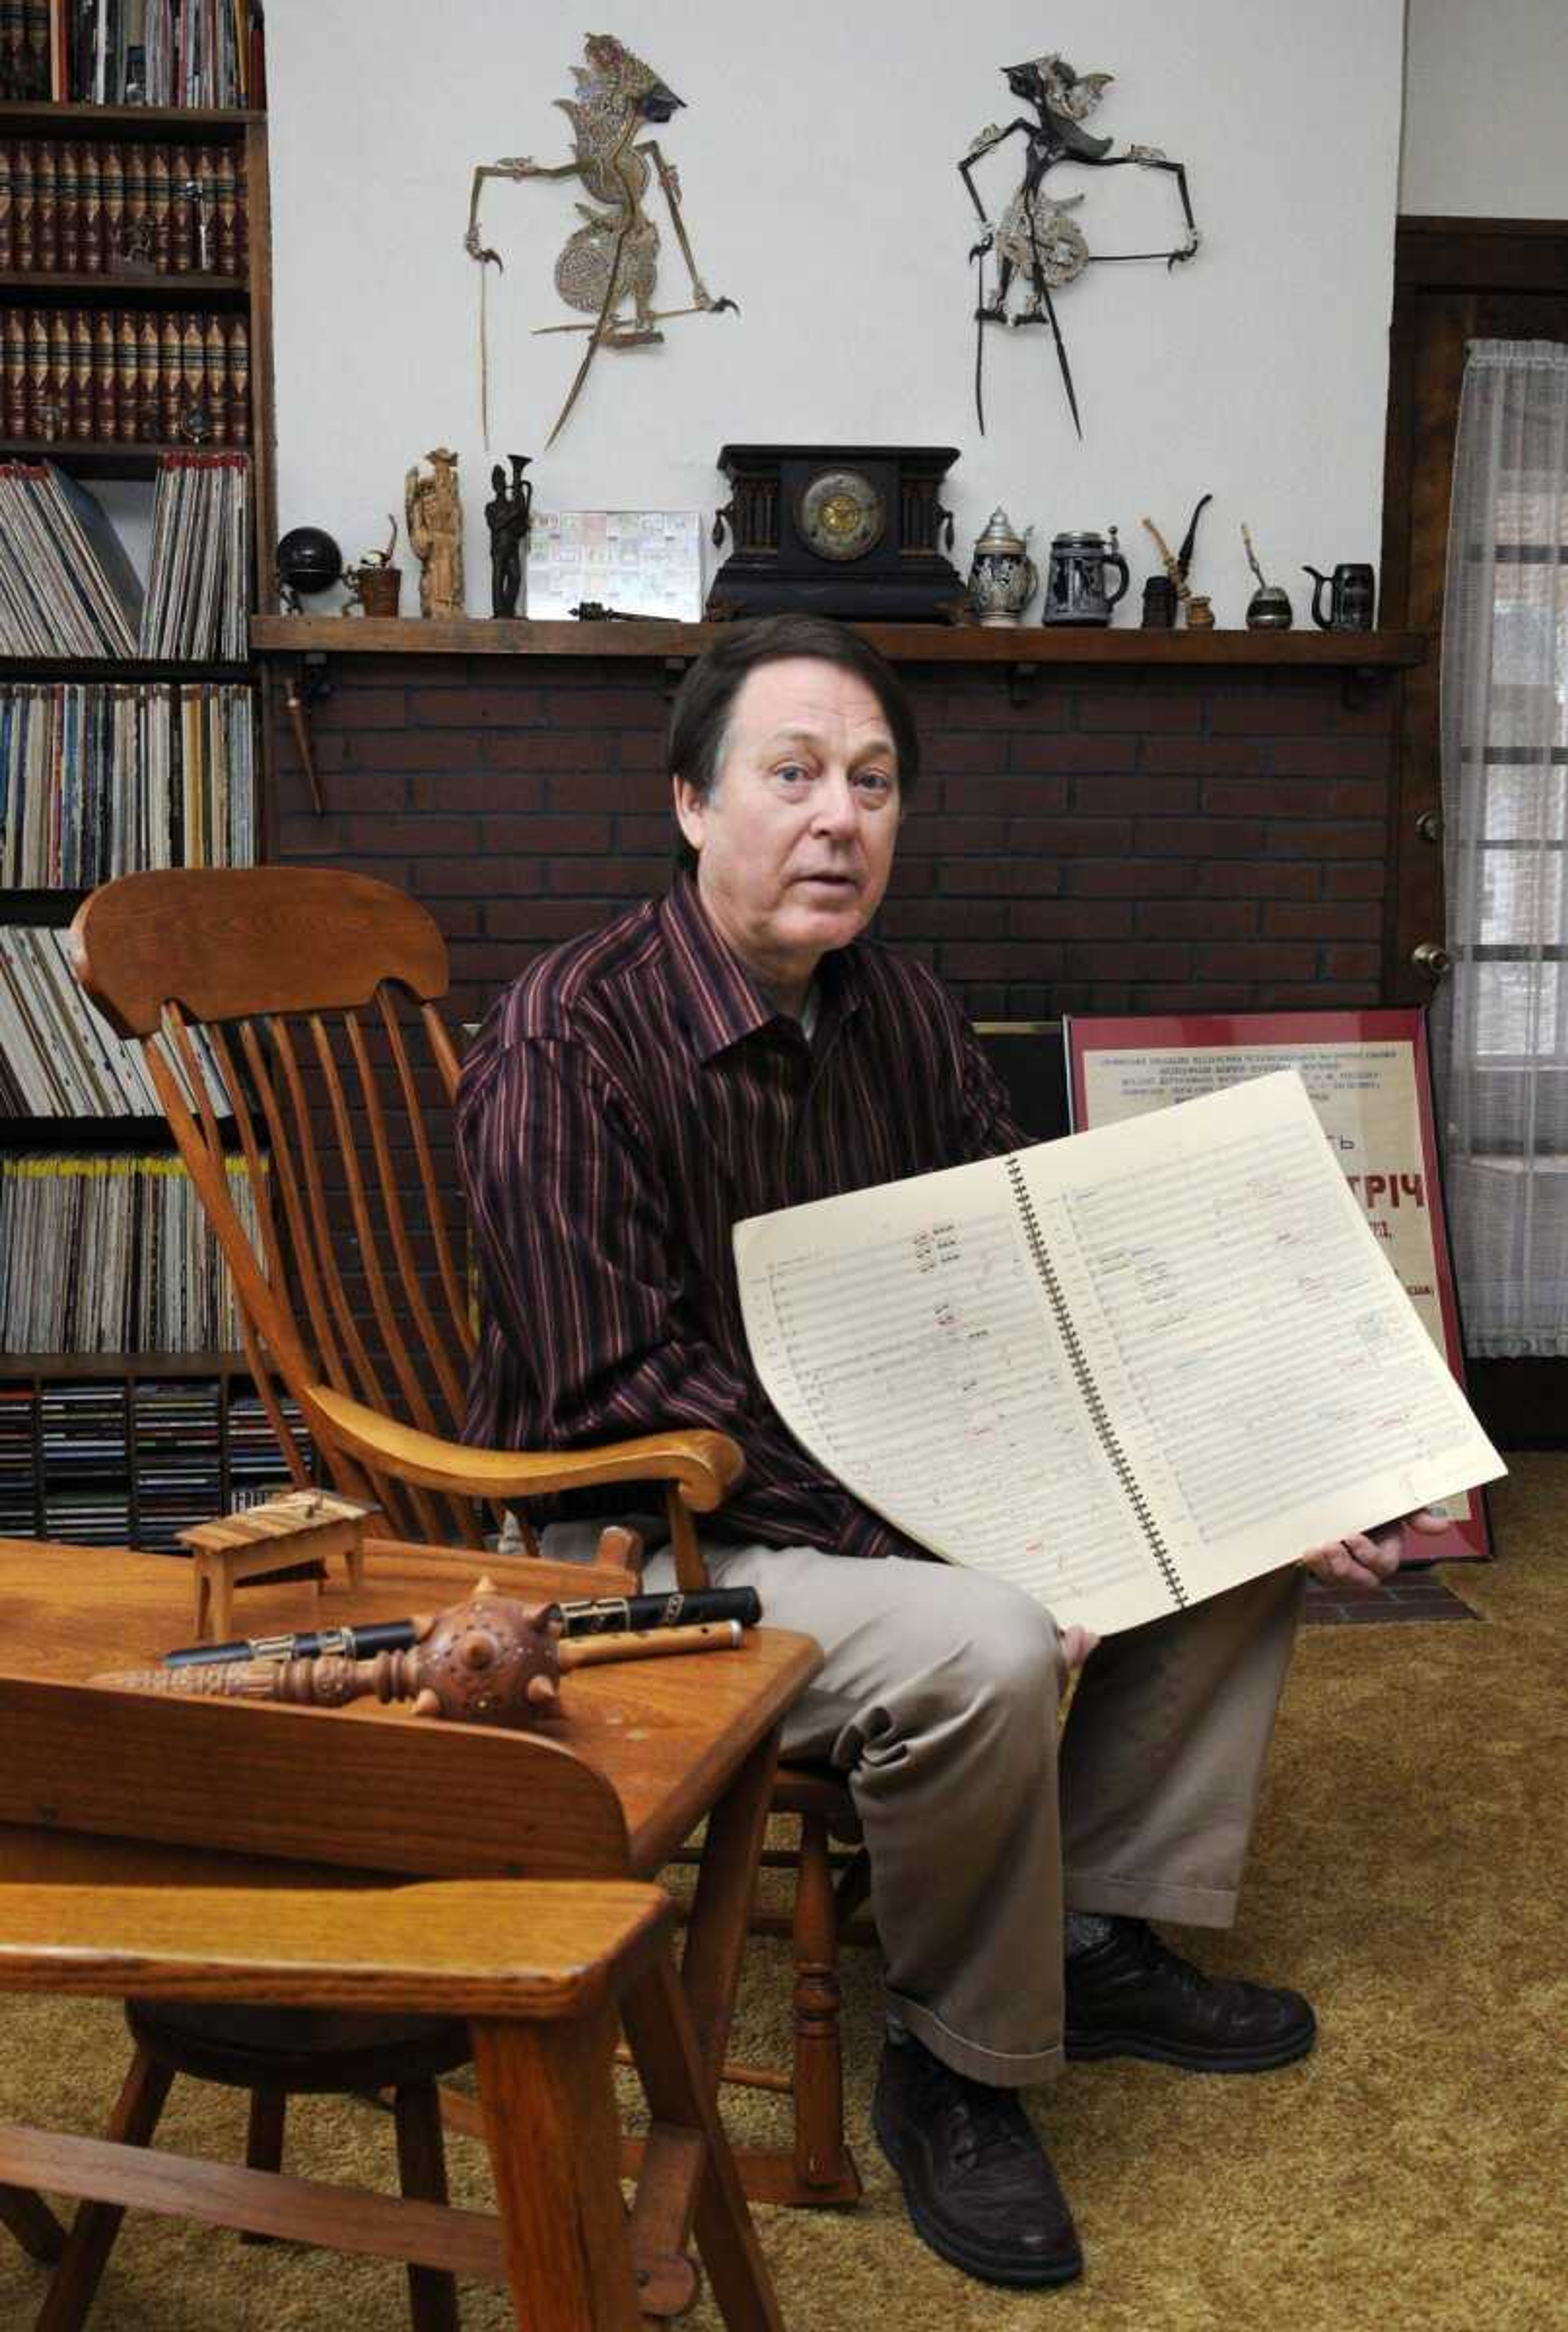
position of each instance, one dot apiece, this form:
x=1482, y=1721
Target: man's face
x=794, y=841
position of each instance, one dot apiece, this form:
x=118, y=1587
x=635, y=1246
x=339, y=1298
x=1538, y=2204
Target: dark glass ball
x=308, y=560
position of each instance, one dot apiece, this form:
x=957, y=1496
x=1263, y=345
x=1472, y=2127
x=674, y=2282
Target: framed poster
x=1369, y=1076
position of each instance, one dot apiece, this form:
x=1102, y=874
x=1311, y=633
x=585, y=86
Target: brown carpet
x=1409, y=1874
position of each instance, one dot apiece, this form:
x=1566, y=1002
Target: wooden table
x=642, y=1751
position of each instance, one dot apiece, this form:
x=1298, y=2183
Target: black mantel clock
x=852, y=531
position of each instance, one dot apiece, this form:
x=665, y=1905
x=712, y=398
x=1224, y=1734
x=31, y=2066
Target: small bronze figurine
x=435, y=517
x=509, y=516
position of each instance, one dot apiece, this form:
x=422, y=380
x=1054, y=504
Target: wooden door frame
x=1444, y=270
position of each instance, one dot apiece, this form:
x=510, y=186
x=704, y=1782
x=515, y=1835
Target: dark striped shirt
x=628, y=1100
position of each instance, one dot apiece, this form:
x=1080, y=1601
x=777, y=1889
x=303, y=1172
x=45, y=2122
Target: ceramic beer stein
x=1003, y=577
x=1076, y=589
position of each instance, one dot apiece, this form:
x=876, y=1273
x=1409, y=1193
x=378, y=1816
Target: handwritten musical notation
x=1120, y=1371
x=924, y=1368
x=1180, y=1271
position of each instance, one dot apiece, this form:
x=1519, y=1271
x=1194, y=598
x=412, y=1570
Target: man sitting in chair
x=739, y=1046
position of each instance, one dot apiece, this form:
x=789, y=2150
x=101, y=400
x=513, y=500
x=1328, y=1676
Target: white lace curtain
x=1500, y=1023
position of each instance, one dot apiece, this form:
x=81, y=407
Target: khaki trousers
x=938, y=1701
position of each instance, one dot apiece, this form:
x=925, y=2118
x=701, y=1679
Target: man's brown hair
x=700, y=718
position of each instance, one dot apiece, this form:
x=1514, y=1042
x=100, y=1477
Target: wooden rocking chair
x=288, y=1020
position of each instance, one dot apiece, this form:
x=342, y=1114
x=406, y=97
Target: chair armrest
x=703, y=1466
x=533, y=1948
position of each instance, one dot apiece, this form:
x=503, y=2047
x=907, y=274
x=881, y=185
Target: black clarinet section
x=598, y=1615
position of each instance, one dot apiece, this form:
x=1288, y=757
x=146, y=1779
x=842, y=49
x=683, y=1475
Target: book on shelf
x=1123, y=1370
x=25, y=51
x=144, y=1272
x=124, y=377
x=158, y=52
x=58, y=1059
x=121, y=208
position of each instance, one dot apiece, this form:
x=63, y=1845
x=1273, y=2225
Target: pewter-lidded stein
x=1076, y=589
x=1003, y=577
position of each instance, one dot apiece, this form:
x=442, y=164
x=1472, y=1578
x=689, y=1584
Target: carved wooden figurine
x=434, y=516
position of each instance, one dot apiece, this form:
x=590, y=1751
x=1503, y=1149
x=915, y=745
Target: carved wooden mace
x=491, y=1659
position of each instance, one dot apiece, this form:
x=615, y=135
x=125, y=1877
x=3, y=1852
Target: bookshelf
x=147, y=335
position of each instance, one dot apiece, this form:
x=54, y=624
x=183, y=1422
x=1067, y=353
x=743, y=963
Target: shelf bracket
x=310, y=685
x=1360, y=684
x=1022, y=681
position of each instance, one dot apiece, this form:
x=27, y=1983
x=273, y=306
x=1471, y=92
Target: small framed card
x=632, y=562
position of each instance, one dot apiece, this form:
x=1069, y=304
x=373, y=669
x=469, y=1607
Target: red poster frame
x=1220, y=1032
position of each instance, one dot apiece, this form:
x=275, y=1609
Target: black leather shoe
x=979, y=2188
x=1133, y=1996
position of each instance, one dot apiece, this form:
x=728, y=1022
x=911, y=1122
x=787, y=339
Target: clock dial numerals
x=841, y=515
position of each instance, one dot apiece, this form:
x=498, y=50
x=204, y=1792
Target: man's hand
x=1367, y=1558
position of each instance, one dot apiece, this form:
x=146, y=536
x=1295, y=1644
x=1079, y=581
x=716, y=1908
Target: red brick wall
x=1122, y=842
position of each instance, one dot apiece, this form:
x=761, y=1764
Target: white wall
x=1487, y=109
x=818, y=159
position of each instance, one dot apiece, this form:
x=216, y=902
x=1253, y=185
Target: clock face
x=841, y=514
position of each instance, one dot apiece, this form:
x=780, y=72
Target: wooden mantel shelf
x=472, y=636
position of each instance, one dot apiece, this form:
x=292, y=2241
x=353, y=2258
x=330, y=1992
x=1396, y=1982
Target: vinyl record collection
x=67, y=587
x=206, y=52
x=146, y=1273
x=117, y=1464
x=91, y=206
x=58, y=1059
x=99, y=781
x=196, y=586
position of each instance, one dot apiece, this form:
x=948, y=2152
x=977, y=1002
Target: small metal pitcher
x=1076, y=589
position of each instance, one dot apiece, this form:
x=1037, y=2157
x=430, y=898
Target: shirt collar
x=719, y=999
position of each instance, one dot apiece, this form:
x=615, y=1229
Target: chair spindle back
x=288, y=1015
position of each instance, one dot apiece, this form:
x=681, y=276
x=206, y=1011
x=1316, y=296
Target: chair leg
x=422, y=2172
x=93, y=2229
x=33, y=2222
x=675, y=2082
x=823, y=2166
x=264, y=2138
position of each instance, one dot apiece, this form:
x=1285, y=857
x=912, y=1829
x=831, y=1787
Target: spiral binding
x=1099, y=1416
